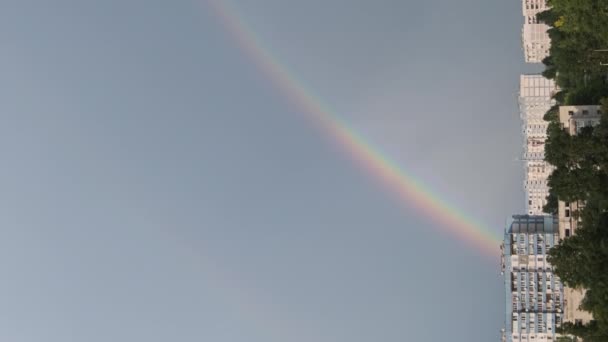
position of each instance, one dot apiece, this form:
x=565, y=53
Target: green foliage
x=590, y=332
x=560, y=96
x=578, y=28
x=566, y=259
x=566, y=339
x=557, y=146
x=550, y=73
x=593, y=92
x=552, y=114
x=548, y=17
x=551, y=206
x=581, y=261
x=572, y=184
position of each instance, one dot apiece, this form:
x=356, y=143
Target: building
x=535, y=40
x=535, y=100
x=573, y=119
x=533, y=294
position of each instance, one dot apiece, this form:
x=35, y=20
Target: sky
x=158, y=186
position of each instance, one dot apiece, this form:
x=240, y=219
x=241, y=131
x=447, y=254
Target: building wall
x=573, y=118
x=572, y=302
x=535, y=93
x=568, y=222
x=535, y=40
x=533, y=294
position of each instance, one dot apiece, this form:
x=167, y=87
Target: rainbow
x=405, y=186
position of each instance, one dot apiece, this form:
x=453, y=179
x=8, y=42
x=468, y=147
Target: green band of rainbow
x=395, y=179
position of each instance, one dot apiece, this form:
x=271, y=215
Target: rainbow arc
x=410, y=190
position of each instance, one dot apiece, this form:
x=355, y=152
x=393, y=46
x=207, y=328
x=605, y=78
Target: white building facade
x=575, y=118
x=533, y=294
x=535, y=40
x=535, y=93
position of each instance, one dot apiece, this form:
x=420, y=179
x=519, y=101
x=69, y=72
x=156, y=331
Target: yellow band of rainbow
x=408, y=189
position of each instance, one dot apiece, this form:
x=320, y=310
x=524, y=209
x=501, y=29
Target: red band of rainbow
x=407, y=188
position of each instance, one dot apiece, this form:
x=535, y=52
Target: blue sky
x=157, y=187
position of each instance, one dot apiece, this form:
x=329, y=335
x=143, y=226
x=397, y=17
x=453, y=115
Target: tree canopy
x=579, y=33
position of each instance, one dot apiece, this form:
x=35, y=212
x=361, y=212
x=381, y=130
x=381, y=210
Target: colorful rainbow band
x=395, y=179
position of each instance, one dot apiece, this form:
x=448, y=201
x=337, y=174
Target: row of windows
x=536, y=169
x=537, y=91
x=535, y=155
x=532, y=5
x=585, y=112
x=580, y=124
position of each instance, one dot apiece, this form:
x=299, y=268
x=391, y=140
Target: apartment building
x=533, y=294
x=575, y=118
x=535, y=100
x=535, y=40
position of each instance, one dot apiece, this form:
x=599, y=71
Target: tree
x=577, y=29
x=548, y=17
x=590, y=332
x=582, y=261
x=551, y=206
x=566, y=259
x=552, y=114
x=557, y=145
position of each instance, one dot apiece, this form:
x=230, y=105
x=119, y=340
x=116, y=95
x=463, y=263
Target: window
x=567, y=232
x=567, y=204
x=567, y=213
x=585, y=112
x=570, y=112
